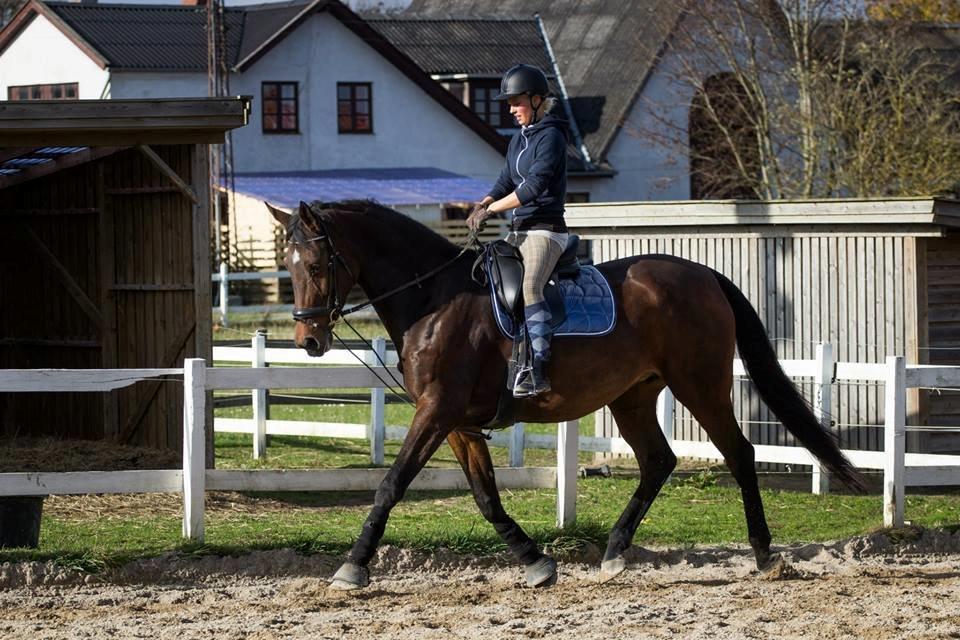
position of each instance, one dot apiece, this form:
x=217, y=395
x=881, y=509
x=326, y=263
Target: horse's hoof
x=542, y=573
x=610, y=569
x=350, y=577
x=774, y=564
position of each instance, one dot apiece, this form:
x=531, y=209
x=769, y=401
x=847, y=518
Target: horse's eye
x=314, y=269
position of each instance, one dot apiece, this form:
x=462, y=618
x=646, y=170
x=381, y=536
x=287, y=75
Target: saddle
x=580, y=299
x=504, y=267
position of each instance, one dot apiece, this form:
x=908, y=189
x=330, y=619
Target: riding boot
x=540, y=331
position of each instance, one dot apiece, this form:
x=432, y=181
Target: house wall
x=42, y=54
x=138, y=84
x=410, y=128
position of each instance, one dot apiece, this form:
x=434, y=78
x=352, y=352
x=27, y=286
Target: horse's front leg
x=427, y=432
x=474, y=456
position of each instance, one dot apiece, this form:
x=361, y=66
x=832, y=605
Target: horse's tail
x=777, y=390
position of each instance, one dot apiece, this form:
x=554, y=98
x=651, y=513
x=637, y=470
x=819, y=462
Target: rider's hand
x=477, y=217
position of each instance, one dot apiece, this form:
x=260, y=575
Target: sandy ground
x=867, y=587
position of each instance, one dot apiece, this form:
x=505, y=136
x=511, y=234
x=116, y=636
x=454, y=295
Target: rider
x=533, y=184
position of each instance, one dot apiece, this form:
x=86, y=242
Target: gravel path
x=866, y=587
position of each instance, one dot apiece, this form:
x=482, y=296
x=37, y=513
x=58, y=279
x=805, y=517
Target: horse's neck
x=390, y=262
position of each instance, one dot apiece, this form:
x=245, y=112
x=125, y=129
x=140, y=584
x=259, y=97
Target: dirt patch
x=878, y=586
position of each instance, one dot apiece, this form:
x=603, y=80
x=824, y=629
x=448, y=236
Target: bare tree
x=803, y=98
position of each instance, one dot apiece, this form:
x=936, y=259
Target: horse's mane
x=405, y=228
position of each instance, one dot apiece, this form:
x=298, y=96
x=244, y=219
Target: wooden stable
x=873, y=277
x=104, y=256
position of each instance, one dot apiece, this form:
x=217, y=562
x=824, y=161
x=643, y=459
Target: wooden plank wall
x=41, y=324
x=942, y=278
x=124, y=233
x=847, y=290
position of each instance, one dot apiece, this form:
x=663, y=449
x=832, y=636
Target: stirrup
x=531, y=382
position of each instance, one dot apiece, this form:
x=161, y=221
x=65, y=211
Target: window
x=354, y=107
x=67, y=91
x=496, y=113
x=280, y=108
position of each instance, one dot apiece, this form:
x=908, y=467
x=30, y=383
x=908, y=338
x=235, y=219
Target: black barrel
x=20, y=521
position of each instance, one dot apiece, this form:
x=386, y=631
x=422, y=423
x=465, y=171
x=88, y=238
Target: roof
x=605, y=50
x=406, y=186
x=119, y=122
x=911, y=216
x=172, y=38
x=477, y=47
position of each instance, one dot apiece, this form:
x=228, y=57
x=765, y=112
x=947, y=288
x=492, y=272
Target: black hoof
x=542, y=573
x=349, y=577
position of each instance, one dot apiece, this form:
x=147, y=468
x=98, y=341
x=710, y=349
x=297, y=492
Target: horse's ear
x=308, y=217
x=279, y=215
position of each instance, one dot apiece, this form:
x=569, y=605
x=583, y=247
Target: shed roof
x=120, y=122
x=394, y=186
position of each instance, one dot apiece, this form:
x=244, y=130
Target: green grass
x=688, y=512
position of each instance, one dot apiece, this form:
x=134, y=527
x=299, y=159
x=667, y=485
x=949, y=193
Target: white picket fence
x=900, y=469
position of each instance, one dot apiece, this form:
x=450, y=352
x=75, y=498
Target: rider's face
x=521, y=109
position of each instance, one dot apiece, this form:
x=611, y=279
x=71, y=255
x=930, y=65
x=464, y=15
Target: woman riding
x=533, y=184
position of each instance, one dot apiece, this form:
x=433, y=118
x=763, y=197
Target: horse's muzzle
x=314, y=347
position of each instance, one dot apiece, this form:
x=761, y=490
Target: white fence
x=900, y=469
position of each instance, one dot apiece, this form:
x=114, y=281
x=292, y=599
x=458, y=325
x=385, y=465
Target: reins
x=336, y=311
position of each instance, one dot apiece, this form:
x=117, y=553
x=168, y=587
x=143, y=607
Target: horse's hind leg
x=474, y=457
x=710, y=404
x=636, y=415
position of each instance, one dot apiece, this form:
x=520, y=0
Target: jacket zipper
x=526, y=144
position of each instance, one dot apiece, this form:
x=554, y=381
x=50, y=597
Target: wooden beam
x=44, y=342
x=203, y=337
x=167, y=171
x=78, y=294
x=10, y=213
x=106, y=251
x=152, y=387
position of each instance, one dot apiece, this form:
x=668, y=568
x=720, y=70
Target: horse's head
x=320, y=275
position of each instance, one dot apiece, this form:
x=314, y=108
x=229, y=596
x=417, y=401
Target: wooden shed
x=873, y=277
x=105, y=255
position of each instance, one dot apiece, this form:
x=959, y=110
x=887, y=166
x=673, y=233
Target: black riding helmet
x=523, y=79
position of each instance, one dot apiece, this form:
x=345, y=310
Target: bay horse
x=678, y=324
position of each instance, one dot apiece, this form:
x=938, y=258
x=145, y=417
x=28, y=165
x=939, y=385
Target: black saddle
x=504, y=268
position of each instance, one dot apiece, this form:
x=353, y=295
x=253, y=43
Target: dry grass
x=50, y=454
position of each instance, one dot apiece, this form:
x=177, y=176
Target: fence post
x=894, y=437
x=224, y=292
x=376, y=431
x=824, y=404
x=259, y=396
x=194, y=459
x=666, y=407
x=568, y=445
x=517, y=443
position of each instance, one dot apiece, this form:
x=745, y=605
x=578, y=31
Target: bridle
x=334, y=307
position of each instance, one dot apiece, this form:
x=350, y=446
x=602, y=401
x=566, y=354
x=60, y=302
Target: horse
x=678, y=325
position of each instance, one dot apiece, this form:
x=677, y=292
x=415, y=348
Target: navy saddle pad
x=588, y=302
